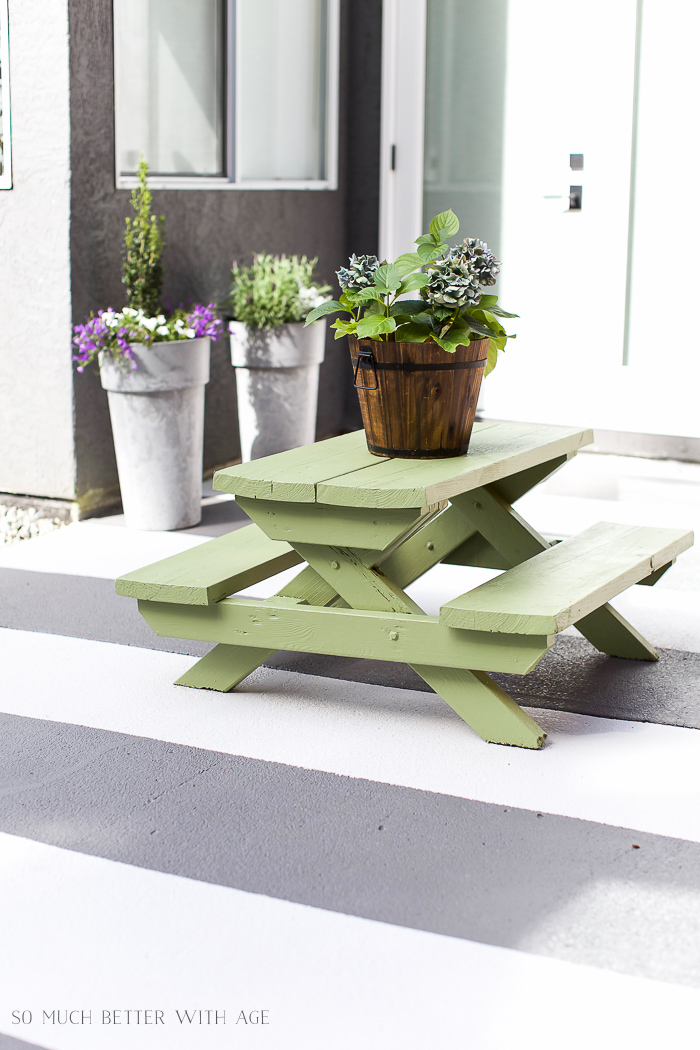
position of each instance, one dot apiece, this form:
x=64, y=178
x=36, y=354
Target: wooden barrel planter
x=417, y=401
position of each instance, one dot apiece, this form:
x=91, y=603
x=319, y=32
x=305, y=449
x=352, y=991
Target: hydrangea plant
x=275, y=290
x=113, y=332
x=452, y=309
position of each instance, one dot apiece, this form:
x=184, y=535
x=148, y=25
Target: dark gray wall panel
x=207, y=230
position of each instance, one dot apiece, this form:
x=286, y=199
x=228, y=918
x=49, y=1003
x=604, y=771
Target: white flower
x=188, y=332
x=309, y=299
x=111, y=319
x=149, y=322
x=179, y=323
x=160, y=318
x=128, y=312
x=162, y=329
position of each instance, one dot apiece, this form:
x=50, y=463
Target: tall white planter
x=276, y=385
x=157, y=414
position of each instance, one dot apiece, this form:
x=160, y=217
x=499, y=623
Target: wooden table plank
x=293, y=476
x=495, y=452
x=212, y=570
x=567, y=581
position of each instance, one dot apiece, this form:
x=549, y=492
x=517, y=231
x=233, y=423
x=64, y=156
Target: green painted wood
x=500, y=524
x=477, y=551
x=224, y=667
x=495, y=453
x=611, y=633
x=432, y=544
x=267, y=626
x=512, y=488
x=227, y=665
x=655, y=576
x=361, y=586
x=566, y=582
x=480, y=702
x=514, y=538
x=212, y=570
x=293, y=475
x=346, y=526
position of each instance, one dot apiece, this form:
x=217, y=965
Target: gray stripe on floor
x=551, y=885
x=572, y=677
x=7, y=1042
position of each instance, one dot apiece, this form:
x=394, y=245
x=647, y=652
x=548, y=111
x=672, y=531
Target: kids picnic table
x=368, y=527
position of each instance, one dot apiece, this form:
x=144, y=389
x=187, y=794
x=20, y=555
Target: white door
x=525, y=100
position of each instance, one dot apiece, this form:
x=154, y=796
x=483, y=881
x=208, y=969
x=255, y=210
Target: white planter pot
x=157, y=415
x=276, y=385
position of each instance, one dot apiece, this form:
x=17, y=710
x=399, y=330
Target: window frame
x=6, y=177
x=228, y=181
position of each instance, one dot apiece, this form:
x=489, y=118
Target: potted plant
x=418, y=362
x=276, y=360
x=154, y=368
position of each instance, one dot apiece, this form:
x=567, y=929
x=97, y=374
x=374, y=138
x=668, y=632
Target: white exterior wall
x=36, y=383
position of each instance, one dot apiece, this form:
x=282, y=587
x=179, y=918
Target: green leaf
x=413, y=332
x=424, y=238
x=344, y=327
x=492, y=357
x=367, y=294
x=487, y=301
x=413, y=282
x=408, y=262
x=458, y=335
x=428, y=252
x=499, y=312
x=487, y=318
x=369, y=327
x=445, y=223
x=478, y=328
x=407, y=306
x=325, y=308
x=387, y=278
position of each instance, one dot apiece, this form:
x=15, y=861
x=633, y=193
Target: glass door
x=559, y=134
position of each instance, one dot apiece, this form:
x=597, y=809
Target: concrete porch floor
x=330, y=843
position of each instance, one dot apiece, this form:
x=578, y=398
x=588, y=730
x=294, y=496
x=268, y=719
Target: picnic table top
x=341, y=471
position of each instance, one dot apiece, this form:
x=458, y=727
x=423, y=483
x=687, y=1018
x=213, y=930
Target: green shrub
x=275, y=290
x=142, y=269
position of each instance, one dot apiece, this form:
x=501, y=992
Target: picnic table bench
x=367, y=528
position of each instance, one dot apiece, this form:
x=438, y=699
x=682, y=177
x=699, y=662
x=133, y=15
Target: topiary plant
x=142, y=269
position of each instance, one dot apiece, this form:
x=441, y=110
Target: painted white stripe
x=630, y=774
x=87, y=548
x=81, y=933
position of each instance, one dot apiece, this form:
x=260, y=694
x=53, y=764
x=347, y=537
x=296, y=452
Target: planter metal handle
x=365, y=359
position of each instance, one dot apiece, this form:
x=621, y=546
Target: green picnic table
x=367, y=528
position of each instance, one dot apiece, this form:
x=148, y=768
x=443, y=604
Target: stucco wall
x=36, y=400
x=205, y=231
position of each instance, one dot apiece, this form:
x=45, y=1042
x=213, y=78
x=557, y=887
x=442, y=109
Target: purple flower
x=204, y=321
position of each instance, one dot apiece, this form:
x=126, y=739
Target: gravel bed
x=24, y=523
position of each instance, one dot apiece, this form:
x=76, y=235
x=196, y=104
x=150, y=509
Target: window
x=5, y=140
x=232, y=94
